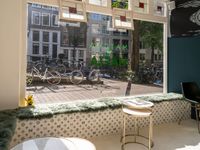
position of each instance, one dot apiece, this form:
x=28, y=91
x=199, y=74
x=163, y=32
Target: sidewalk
x=44, y=94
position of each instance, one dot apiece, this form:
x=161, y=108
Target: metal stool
x=137, y=111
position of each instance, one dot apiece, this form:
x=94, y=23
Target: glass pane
x=98, y=2
x=36, y=18
x=64, y=39
x=45, y=49
x=95, y=28
x=35, y=48
x=45, y=36
x=45, y=19
x=55, y=20
x=55, y=37
x=36, y=36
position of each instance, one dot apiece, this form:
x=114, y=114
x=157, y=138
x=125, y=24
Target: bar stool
x=137, y=109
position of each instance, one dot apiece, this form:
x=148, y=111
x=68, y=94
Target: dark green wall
x=183, y=61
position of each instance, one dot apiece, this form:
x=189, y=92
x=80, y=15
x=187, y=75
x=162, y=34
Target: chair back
x=190, y=90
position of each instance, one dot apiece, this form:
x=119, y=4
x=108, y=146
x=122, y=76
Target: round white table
x=51, y=143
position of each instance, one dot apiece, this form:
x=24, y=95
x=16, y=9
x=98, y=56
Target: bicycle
x=77, y=76
x=52, y=77
x=54, y=64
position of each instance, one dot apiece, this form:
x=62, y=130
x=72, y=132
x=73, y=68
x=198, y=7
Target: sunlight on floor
x=166, y=137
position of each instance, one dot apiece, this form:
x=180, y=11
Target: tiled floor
x=166, y=137
x=62, y=93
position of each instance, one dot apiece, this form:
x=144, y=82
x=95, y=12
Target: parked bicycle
x=53, y=64
x=77, y=76
x=52, y=77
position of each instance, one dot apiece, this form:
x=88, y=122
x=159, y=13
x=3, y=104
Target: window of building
x=155, y=56
x=46, y=7
x=45, y=36
x=125, y=33
x=55, y=37
x=45, y=19
x=64, y=38
x=81, y=54
x=142, y=56
x=125, y=44
x=66, y=52
x=73, y=55
x=36, y=48
x=96, y=41
x=104, y=29
x=54, y=51
x=36, y=5
x=99, y=2
x=35, y=18
x=45, y=49
x=36, y=36
x=105, y=42
x=95, y=28
x=160, y=57
x=54, y=20
x=95, y=17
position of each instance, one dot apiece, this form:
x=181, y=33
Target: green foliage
x=123, y=62
x=115, y=62
x=151, y=34
x=120, y=4
x=94, y=61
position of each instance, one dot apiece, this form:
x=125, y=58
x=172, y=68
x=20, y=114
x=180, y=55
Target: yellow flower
x=29, y=100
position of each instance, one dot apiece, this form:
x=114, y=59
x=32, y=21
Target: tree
x=134, y=52
x=151, y=34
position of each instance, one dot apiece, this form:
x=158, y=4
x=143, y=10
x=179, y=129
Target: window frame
x=43, y=19
x=34, y=54
x=165, y=57
x=52, y=24
x=43, y=31
x=32, y=20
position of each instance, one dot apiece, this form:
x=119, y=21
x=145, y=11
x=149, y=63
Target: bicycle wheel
x=30, y=77
x=60, y=68
x=94, y=76
x=76, y=77
x=40, y=67
x=53, y=77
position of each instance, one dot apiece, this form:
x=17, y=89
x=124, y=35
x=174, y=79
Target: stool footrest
x=122, y=146
x=137, y=136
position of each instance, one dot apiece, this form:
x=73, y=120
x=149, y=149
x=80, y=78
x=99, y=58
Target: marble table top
x=51, y=143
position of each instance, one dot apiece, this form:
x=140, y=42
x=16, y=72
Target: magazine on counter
x=138, y=102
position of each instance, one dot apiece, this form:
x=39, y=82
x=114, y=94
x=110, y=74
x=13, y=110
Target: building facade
x=103, y=39
x=43, y=32
x=48, y=37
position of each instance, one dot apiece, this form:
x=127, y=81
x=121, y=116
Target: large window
x=95, y=46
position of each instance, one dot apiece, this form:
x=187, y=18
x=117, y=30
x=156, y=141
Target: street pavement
x=46, y=94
